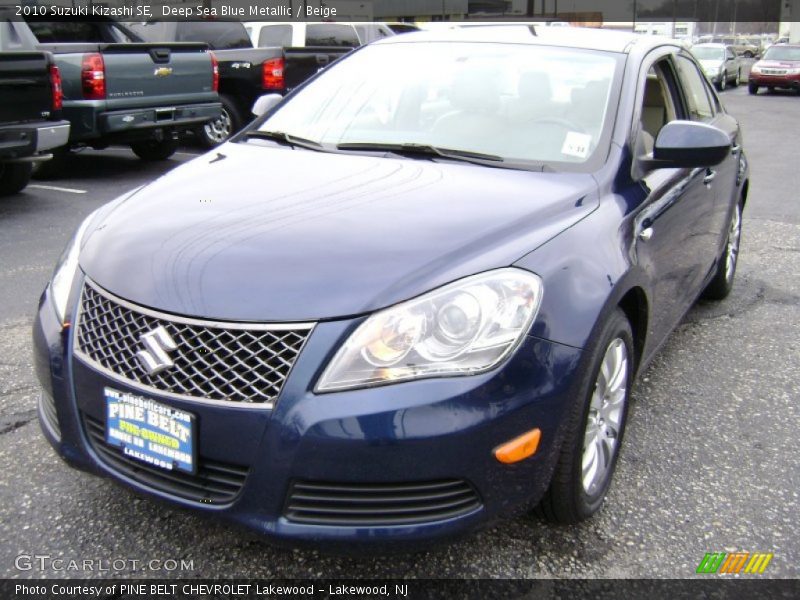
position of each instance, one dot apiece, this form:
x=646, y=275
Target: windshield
x=709, y=53
x=523, y=104
x=782, y=53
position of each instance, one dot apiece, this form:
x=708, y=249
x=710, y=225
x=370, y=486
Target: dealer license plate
x=150, y=432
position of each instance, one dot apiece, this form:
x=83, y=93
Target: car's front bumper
x=780, y=81
x=405, y=437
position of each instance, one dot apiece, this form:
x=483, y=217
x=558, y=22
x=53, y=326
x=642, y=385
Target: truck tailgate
x=25, y=86
x=145, y=74
x=302, y=63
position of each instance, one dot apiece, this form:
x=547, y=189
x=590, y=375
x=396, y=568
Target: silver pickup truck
x=117, y=91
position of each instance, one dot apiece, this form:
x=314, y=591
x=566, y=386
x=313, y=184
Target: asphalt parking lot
x=710, y=461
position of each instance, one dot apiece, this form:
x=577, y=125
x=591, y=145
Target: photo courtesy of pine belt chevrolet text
x=411, y=298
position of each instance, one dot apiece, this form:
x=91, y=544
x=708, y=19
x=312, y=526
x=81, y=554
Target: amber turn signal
x=519, y=448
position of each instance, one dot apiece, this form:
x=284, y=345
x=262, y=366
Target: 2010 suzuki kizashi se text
x=411, y=297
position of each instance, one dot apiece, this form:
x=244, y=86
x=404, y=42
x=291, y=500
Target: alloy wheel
x=604, y=421
x=219, y=130
x=732, y=249
x=723, y=81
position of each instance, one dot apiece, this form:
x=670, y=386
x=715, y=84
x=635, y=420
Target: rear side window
x=51, y=32
x=325, y=34
x=275, y=35
x=694, y=86
x=369, y=32
x=219, y=35
x=66, y=32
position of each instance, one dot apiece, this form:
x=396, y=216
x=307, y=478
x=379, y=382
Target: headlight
x=755, y=69
x=463, y=328
x=64, y=273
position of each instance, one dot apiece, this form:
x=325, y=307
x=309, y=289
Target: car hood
x=710, y=65
x=778, y=64
x=257, y=232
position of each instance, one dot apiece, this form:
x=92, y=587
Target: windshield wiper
x=284, y=138
x=424, y=150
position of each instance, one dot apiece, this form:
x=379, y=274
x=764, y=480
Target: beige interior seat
x=654, y=110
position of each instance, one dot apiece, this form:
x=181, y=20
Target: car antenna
x=220, y=156
x=532, y=29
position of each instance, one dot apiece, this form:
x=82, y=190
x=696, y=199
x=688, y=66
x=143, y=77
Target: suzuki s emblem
x=157, y=346
x=162, y=71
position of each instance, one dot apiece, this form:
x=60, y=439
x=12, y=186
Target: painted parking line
x=56, y=188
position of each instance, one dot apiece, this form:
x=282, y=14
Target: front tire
x=752, y=88
x=738, y=79
x=14, y=177
x=721, y=285
x=594, y=435
x=723, y=82
x=155, y=150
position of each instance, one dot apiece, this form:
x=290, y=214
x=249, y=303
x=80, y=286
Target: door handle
x=710, y=175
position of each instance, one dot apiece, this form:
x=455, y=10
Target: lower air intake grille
x=375, y=504
x=214, y=483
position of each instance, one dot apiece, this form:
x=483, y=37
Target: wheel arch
x=745, y=191
x=635, y=305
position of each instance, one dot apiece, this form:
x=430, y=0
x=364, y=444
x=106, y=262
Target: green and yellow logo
x=734, y=562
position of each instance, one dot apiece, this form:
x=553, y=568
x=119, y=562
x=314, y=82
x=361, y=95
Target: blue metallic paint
x=374, y=435
x=411, y=225
x=255, y=249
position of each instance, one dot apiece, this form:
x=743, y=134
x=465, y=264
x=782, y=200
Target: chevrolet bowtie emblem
x=158, y=344
x=162, y=71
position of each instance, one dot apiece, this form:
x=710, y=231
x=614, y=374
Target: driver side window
x=658, y=106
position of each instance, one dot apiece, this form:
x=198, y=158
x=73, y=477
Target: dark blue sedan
x=410, y=298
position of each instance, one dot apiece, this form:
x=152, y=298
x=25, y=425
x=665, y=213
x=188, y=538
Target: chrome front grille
x=228, y=362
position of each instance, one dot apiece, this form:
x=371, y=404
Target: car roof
x=565, y=37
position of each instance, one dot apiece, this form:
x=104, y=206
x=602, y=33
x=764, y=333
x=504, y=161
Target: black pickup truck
x=245, y=72
x=118, y=90
x=30, y=107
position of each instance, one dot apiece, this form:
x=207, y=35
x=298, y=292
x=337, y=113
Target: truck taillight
x=55, y=85
x=272, y=74
x=214, y=73
x=93, y=76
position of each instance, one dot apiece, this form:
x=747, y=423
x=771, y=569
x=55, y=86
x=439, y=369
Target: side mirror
x=265, y=103
x=686, y=144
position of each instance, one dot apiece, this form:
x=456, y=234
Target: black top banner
x=578, y=12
